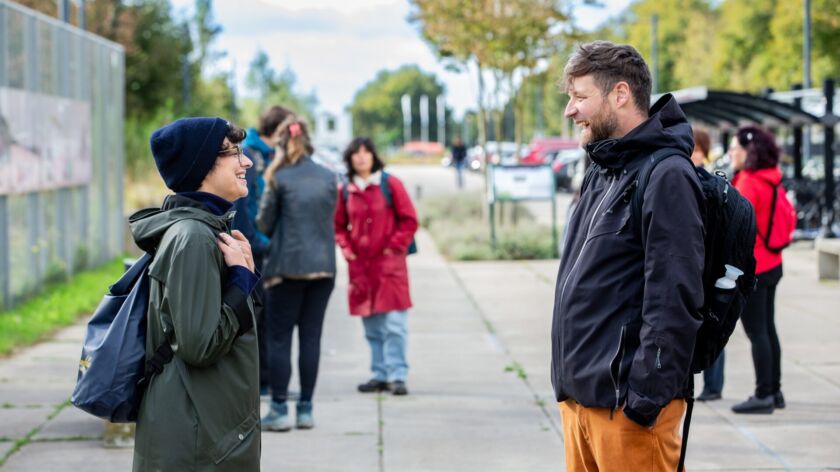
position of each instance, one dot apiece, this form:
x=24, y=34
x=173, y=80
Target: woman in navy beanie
x=201, y=412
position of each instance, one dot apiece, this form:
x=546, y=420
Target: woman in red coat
x=755, y=159
x=375, y=224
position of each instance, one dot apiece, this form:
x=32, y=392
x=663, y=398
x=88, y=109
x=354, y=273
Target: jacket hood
x=771, y=175
x=253, y=140
x=149, y=225
x=666, y=127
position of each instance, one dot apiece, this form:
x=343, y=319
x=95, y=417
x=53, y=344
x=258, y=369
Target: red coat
x=365, y=226
x=758, y=187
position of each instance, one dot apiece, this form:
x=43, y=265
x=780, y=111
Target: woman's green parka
x=202, y=412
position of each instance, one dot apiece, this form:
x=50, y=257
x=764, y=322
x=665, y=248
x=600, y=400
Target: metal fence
x=53, y=232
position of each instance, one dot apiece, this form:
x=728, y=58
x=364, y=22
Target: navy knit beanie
x=185, y=150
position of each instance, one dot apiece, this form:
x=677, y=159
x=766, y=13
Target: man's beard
x=602, y=126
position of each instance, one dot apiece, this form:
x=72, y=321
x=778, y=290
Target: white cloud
x=333, y=47
x=336, y=46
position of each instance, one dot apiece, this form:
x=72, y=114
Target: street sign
x=513, y=183
x=517, y=183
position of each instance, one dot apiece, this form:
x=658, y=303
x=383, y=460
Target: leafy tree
x=506, y=38
x=377, y=110
x=743, y=33
x=679, y=21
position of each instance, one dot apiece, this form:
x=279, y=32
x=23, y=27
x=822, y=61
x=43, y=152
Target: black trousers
x=301, y=304
x=760, y=325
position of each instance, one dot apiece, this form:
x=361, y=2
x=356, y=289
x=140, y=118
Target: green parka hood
x=150, y=224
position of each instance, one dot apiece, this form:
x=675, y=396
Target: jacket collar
x=373, y=179
x=666, y=127
x=204, y=200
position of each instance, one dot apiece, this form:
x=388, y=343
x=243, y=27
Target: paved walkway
x=513, y=296
x=480, y=393
x=468, y=409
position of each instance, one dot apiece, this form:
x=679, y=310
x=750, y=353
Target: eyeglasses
x=234, y=150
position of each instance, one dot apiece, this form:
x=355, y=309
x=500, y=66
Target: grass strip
x=59, y=305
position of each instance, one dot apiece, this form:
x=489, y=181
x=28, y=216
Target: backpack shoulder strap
x=773, y=204
x=642, y=180
x=131, y=276
x=344, y=191
x=386, y=189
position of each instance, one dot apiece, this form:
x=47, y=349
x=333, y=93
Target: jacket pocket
x=622, y=360
x=615, y=365
x=393, y=265
x=612, y=221
x=234, y=437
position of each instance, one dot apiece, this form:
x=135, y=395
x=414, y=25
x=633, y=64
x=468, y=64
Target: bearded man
x=626, y=309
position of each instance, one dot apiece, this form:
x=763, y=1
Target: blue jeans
x=713, y=376
x=459, y=174
x=386, y=333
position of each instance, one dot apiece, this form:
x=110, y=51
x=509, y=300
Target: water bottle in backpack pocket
x=725, y=290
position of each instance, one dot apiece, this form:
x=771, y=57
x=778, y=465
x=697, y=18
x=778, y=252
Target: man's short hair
x=608, y=64
x=271, y=119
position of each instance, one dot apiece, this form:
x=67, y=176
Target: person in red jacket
x=375, y=224
x=755, y=159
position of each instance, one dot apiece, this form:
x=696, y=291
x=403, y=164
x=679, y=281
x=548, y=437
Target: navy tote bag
x=113, y=355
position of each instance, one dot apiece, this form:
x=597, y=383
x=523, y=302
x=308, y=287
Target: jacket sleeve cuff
x=640, y=410
x=645, y=420
x=237, y=300
x=243, y=278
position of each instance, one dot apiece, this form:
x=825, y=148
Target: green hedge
x=59, y=305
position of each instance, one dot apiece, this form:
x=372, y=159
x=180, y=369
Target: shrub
x=460, y=231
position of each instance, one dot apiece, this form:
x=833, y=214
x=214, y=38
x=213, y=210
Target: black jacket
x=296, y=212
x=626, y=307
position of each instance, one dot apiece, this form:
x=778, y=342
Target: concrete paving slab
x=345, y=438
x=5, y=447
x=21, y=393
x=459, y=431
x=71, y=423
x=75, y=456
x=802, y=446
x=17, y=422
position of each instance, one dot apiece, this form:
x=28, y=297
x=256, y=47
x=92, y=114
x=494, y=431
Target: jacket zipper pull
x=658, y=360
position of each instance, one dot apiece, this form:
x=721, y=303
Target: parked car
x=542, y=150
x=503, y=153
x=422, y=148
x=565, y=165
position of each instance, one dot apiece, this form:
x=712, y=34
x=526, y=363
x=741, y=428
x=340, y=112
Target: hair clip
x=294, y=129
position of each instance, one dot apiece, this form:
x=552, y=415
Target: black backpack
x=729, y=222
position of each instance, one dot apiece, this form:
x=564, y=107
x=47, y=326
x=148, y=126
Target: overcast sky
x=336, y=46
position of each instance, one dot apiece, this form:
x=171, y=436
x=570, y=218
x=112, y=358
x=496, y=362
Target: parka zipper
x=585, y=240
x=619, y=352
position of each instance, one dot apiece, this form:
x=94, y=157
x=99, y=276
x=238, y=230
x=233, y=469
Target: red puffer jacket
x=378, y=236
x=758, y=187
